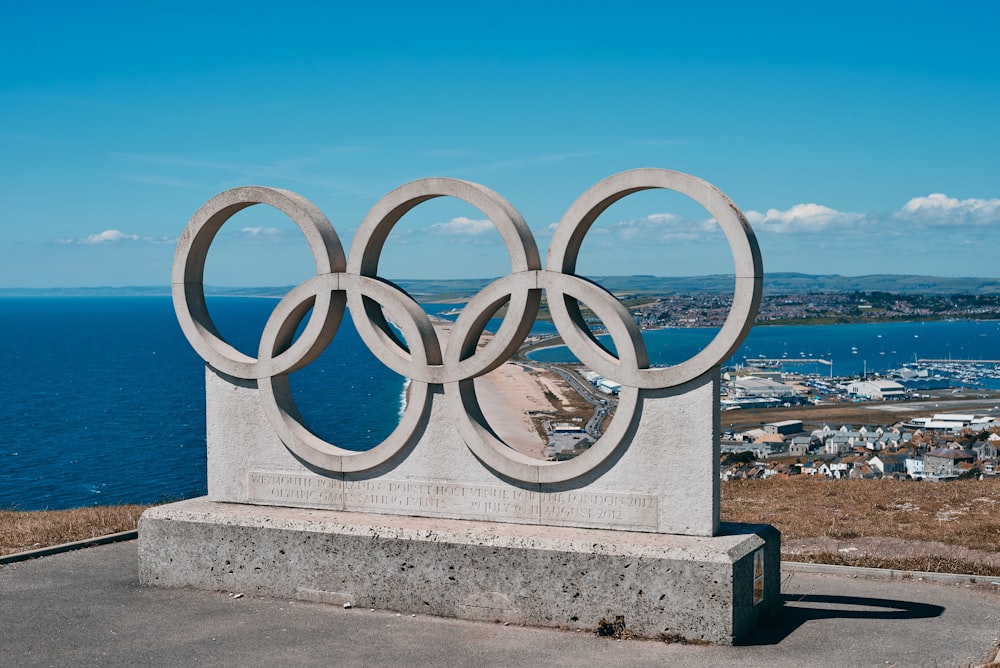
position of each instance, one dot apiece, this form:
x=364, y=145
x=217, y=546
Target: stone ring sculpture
x=353, y=282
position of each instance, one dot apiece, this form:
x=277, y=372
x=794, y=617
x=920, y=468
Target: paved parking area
x=87, y=608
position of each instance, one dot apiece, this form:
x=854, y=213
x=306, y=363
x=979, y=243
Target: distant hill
x=99, y=291
x=440, y=290
x=136, y=291
x=781, y=283
x=791, y=283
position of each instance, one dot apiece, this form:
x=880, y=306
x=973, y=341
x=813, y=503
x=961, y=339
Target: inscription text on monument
x=635, y=511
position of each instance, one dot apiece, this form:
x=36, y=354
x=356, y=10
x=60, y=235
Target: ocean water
x=852, y=349
x=102, y=400
x=99, y=403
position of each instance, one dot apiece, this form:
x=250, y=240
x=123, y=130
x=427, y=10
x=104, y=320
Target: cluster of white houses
x=941, y=447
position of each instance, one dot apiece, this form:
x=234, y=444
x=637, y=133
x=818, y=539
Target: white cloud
x=113, y=237
x=462, y=227
x=933, y=211
x=260, y=231
x=545, y=232
x=825, y=225
x=938, y=210
x=260, y=235
x=805, y=218
x=109, y=237
x=660, y=227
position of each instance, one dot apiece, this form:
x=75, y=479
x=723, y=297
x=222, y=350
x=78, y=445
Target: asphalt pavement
x=86, y=608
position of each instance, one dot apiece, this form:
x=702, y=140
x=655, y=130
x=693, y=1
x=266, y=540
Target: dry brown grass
x=949, y=527
x=962, y=512
x=956, y=524
x=21, y=531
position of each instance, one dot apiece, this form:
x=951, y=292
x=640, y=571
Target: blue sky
x=859, y=138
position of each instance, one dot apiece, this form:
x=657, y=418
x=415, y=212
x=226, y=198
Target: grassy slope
x=951, y=527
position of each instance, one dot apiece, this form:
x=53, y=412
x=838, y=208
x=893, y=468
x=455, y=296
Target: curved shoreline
x=513, y=397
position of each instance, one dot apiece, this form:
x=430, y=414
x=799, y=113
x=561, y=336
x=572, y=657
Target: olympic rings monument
x=443, y=517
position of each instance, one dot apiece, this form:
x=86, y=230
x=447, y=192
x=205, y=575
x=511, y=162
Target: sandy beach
x=512, y=393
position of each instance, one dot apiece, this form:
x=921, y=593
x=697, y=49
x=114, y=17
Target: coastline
x=513, y=395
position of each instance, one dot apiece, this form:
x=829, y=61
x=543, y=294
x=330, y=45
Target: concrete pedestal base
x=699, y=588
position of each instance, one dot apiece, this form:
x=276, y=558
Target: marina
x=967, y=351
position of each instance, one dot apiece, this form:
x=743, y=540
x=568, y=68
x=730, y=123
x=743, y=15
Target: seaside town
x=943, y=444
x=710, y=310
x=938, y=447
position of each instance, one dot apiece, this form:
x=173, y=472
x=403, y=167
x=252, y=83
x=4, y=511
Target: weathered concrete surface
x=654, y=468
x=87, y=608
x=499, y=535
x=665, y=478
x=699, y=588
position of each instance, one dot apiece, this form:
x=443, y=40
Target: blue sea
x=102, y=399
x=850, y=349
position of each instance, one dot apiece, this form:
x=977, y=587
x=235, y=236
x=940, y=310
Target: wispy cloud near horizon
x=462, y=228
x=113, y=237
x=939, y=210
x=919, y=214
x=934, y=211
x=805, y=219
x=662, y=227
x=260, y=234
